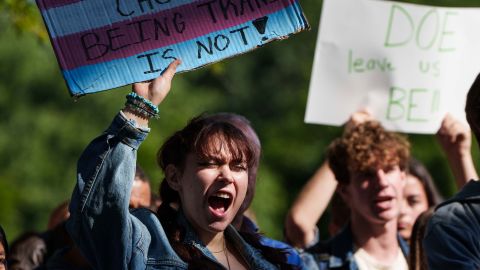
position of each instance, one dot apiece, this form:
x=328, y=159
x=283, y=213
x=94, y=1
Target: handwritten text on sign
x=409, y=64
x=101, y=44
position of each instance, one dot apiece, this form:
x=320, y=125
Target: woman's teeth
x=222, y=195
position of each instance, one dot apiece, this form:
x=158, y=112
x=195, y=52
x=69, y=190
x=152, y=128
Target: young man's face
x=375, y=196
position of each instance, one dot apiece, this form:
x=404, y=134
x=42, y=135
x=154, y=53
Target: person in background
x=420, y=192
x=28, y=252
x=141, y=194
x=456, y=140
x=370, y=165
x=3, y=249
x=54, y=249
x=301, y=221
x=155, y=202
x=58, y=215
x=453, y=233
x=417, y=259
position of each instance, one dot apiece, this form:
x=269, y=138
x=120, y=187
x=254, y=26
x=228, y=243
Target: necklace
x=218, y=251
x=226, y=252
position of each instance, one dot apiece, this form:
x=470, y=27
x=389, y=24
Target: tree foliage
x=44, y=130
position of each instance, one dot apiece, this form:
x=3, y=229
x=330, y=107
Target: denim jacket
x=111, y=236
x=338, y=252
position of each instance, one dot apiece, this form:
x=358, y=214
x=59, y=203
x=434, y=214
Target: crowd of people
x=386, y=212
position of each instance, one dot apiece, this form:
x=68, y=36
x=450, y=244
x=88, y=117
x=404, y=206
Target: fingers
x=160, y=87
x=163, y=82
x=453, y=130
x=446, y=131
x=156, y=90
x=171, y=69
x=358, y=117
x=361, y=116
x=166, y=75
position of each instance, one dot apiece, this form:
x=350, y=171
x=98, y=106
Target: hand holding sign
x=357, y=118
x=455, y=137
x=157, y=89
x=456, y=140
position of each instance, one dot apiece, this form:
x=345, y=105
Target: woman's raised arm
x=100, y=222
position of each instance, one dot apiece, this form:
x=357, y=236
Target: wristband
x=141, y=106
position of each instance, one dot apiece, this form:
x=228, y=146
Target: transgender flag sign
x=103, y=44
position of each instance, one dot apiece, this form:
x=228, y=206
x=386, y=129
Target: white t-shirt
x=367, y=262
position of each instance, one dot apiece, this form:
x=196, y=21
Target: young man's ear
x=344, y=193
x=173, y=176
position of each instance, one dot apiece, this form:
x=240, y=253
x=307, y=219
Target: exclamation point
x=261, y=24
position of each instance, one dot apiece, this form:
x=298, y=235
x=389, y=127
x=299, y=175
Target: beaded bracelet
x=139, y=111
x=134, y=96
x=141, y=105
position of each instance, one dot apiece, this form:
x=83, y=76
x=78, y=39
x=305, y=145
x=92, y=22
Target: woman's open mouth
x=219, y=203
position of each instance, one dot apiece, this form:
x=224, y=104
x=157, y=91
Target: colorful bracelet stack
x=141, y=106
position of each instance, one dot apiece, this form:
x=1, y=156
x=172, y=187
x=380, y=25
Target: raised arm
x=456, y=141
x=301, y=221
x=100, y=222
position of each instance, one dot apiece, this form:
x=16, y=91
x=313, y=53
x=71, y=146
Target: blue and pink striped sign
x=103, y=44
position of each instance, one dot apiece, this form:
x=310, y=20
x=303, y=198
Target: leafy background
x=43, y=130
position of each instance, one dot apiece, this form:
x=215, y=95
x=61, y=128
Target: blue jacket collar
x=342, y=249
x=250, y=255
x=191, y=237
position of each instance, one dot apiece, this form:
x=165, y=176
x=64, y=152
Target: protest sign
x=409, y=64
x=102, y=44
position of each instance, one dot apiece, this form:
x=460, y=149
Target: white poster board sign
x=408, y=64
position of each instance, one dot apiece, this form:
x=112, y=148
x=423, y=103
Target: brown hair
x=366, y=147
x=472, y=107
x=3, y=241
x=140, y=175
x=59, y=215
x=417, y=169
x=417, y=259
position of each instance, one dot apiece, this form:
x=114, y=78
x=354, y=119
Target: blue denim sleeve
x=310, y=262
x=100, y=222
